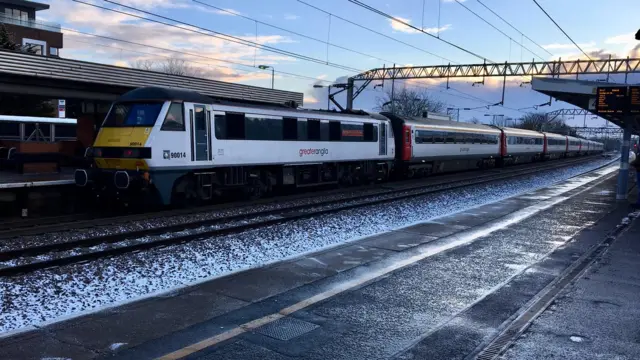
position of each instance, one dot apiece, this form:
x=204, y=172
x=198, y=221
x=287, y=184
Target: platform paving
x=597, y=316
x=436, y=290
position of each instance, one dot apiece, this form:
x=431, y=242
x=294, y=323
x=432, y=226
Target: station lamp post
x=265, y=67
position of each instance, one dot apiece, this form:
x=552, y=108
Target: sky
x=303, y=28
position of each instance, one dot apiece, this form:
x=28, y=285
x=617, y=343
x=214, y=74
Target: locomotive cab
x=145, y=129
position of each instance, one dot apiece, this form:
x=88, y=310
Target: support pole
x=393, y=84
x=350, y=94
x=623, y=176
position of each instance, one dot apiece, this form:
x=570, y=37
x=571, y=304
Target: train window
x=302, y=130
x=470, y=139
x=335, y=132
x=235, y=126
x=313, y=130
x=375, y=133
x=438, y=137
x=451, y=138
x=133, y=114
x=220, y=123
x=324, y=131
x=258, y=128
x=174, y=121
x=367, y=130
x=289, y=128
x=351, y=132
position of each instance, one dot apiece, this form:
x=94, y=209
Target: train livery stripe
x=123, y=137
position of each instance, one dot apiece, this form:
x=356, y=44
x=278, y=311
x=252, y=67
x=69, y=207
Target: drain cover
x=286, y=328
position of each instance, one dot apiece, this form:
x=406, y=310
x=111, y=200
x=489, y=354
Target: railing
x=31, y=23
x=27, y=129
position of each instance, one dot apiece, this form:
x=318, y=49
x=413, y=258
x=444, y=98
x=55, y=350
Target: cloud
x=621, y=39
x=197, y=50
x=226, y=12
x=399, y=26
x=323, y=76
x=291, y=17
x=556, y=46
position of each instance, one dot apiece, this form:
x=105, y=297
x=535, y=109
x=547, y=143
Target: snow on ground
x=45, y=295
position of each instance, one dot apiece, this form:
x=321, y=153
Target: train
x=172, y=146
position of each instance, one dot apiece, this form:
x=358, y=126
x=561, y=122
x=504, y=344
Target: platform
x=436, y=290
x=12, y=180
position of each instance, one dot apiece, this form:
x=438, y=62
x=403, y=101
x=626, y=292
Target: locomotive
x=176, y=147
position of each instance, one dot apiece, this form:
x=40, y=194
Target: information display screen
x=612, y=100
x=634, y=99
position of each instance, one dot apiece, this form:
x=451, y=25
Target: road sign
x=612, y=100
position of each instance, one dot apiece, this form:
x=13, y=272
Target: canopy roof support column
x=623, y=176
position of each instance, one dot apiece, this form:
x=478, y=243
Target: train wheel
x=184, y=192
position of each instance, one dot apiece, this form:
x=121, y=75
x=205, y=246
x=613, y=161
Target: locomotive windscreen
x=133, y=114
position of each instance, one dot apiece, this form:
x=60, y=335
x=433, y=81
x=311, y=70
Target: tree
x=540, y=122
x=171, y=66
x=474, y=120
x=409, y=102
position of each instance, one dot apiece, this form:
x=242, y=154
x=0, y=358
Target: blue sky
x=600, y=27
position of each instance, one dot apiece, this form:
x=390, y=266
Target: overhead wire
x=289, y=31
x=500, y=31
x=285, y=73
x=377, y=32
x=469, y=97
x=559, y=27
x=513, y=27
x=393, y=18
x=215, y=34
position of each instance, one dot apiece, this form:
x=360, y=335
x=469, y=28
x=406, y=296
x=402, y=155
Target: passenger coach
x=182, y=146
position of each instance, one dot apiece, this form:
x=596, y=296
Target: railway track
x=63, y=223
x=20, y=261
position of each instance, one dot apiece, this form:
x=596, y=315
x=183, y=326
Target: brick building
x=19, y=18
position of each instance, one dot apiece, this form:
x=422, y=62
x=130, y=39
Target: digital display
x=612, y=100
x=634, y=99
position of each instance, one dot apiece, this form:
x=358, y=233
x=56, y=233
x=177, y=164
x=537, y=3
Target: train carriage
x=555, y=146
x=521, y=146
x=574, y=146
x=434, y=145
x=182, y=146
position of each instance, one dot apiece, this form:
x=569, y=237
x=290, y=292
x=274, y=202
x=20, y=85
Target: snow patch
x=577, y=339
x=116, y=346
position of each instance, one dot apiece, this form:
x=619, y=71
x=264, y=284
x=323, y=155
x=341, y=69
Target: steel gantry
x=554, y=68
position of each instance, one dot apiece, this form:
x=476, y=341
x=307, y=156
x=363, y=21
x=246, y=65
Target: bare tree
x=409, y=102
x=148, y=65
x=171, y=66
x=540, y=122
x=474, y=120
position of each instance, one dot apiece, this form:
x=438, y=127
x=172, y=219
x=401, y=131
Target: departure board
x=634, y=99
x=612, y=100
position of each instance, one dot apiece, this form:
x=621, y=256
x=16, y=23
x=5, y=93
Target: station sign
x=612, y=100
x=62, y=107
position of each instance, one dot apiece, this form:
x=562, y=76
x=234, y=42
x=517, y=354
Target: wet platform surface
x=597, y=316
x=436, y=290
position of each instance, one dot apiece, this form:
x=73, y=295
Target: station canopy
x=618, y=103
